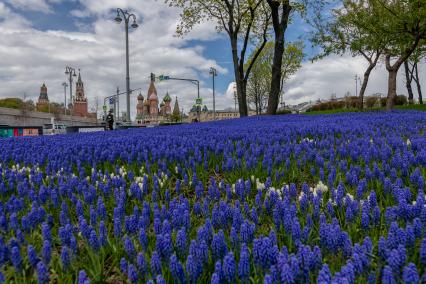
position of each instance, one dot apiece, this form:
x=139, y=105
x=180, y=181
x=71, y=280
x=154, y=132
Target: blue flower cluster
x=285, y=199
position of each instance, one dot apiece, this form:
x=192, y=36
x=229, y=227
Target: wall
x=16, y=117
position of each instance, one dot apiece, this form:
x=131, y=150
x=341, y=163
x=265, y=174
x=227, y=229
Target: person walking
x=110, y=120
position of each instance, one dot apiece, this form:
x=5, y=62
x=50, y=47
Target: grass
x=333, y=111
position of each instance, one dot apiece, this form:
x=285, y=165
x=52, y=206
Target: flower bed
x=286, y=199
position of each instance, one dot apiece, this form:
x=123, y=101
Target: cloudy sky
x=40, y=37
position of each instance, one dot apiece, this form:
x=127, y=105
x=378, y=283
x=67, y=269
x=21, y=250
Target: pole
x=356, y=84
x=65, y=97
x=127, y=70
x=118, y=105
x=214, y=102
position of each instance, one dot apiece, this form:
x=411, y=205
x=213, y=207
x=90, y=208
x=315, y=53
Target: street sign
x=104, y=107
x=163, y=77
x=111, y=101
x=198, y=101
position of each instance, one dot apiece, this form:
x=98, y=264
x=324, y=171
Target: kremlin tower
x=43, y=99
x=80, y=100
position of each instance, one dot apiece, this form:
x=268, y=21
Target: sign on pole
x=198, y=101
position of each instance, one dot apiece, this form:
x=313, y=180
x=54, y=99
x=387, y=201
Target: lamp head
x=134, y=25
x=118, y=19
x=66, y=71
x=74, y=75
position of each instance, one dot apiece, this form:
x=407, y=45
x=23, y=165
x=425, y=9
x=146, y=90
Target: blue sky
x=41, y=37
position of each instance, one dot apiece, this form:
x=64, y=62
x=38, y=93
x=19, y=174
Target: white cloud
x=33, y=5
x=29, y=57
x=336, y=74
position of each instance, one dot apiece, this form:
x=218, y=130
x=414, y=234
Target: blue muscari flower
x=219, y=247
x=32, y=256
x=143, y=239
x=176, y=269
x=181, y=242
x=103, y=234
x=82, y=277
x=235, y=242
x=123, y=265
x=13, y=222
x=94, y=241
x=193, y=268
x=79, y=208
x=2, y=279
x=101, y=209
x=410, y=275
x=376, y=215
x=218, y=270
x=65, y=257
x=129, y=247
x=155, y=263
x=244, y=263
x=324, y=276
x=45, y=232
x=286, y=275
x=117, y=227
x=387, y=276
x=228, y=268
x=141, y=264
x=42, y=273
x=215, y=279
x=246, y=232
x=422, y=253
x=268, y=279
x=46, y=252
x=16, y=258
x=132, y=274
x=93, y=216
x=73, y=244
x=160, y=280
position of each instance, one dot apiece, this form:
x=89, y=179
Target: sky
x=39, y=38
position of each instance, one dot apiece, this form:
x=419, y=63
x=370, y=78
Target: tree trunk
x=364, y=84
x=391, y=89
x=408, y=79
x=419, y=89
x=239, y=78
x=280, y=26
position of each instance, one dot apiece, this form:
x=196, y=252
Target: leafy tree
x=345, y=33
x=281, y=11
x=244, y=21
x=259, y=84
x=401, y=26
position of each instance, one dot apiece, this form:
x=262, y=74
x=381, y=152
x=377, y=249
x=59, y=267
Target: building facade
x=208, y=115
x=149, y=111
x=43, y=99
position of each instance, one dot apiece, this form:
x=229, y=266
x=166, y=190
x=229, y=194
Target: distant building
x=148, y=111
x=79, y=107
x=43, y=99
x=208, y=115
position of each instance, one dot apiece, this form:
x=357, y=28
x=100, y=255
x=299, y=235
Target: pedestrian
x=110, y=120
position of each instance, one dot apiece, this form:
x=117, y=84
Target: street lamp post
x=213, y=72
x=118, y=19
x=71, y=72
x=65, y=97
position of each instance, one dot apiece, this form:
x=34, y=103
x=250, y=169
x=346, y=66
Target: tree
x=280, y=12
x=176, y=112
x=412, y=73
x=408, y=80
x=401, y=26
x=259, y=83
x=346, y=33
x=244, y=21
